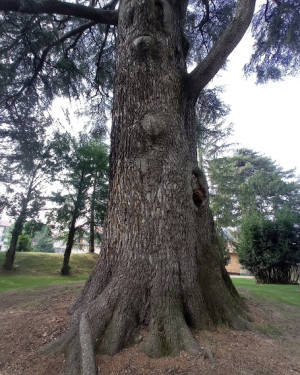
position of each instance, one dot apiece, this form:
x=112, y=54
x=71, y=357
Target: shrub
x=24, y=243
x=43, y=241
x=270, y=248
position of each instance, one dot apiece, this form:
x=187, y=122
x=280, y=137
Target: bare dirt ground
x=29, y=319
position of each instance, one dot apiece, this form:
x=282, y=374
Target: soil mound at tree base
x=29, y=319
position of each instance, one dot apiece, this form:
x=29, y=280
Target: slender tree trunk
x=65, y=270
x=10, y=254
x=160, y=266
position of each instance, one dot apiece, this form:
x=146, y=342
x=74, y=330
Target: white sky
x=266, y=117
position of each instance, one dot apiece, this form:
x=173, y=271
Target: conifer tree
x=160, y=266
x=83, y=175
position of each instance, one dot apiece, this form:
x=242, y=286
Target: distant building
x=4, y=229
x=79, y=247
x=234, y=266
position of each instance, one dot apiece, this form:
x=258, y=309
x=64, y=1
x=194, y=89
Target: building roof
x=5, y=223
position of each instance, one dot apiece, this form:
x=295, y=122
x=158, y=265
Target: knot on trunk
x=145, y=47
x=154, y=125
x=200, y=187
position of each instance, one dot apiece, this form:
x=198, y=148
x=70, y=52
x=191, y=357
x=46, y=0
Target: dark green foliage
x=65, y=271
x=252, y=194
x=211, y=130
x=43, y=241
x=84, y=164
x=270, y=249
x=276, y=29
x=206, y=24
x=27, y=165
x=248, y=181
x=82, y=161
x=24, y=243
x=32, y=227
x=47, y=56
x=43, y=56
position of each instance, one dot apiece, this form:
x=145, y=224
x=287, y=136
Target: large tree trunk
x=160, y=266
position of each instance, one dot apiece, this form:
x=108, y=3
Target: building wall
x=233, y=265
x=4, y=228
x=2, y=235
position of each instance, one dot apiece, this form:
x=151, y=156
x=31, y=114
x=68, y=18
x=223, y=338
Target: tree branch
x=218, y=54
x=109, y=17
x=205, y=18
x=29, y=82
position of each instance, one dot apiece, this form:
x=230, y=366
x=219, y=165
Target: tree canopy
x=83, y=180
x=27, y=166
x=67, y=48
x=248, y=181
x=259, y=202
x=270, y=248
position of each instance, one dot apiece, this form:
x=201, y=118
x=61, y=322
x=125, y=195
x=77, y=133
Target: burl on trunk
x=160, y=266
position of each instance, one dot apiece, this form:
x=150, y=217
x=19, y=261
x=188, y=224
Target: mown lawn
x=41, y=269
x=288, y=294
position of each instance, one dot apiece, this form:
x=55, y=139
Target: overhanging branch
x=205, y=18
x=109, y=17
x=217, y=56
x=30, y=81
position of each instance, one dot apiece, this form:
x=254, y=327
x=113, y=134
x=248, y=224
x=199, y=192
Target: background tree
x=270, y=248
x=43, y=241
x=98, y=200
x=248, y=181
x=211, y=130
x=26, y=167
x=32, y=226
x=24, y=243
x=160, y=264
x=260, y=203
x=84, y=169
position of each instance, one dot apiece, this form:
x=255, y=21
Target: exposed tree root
x=168, y=335
x=168, y=291
x=111, y=322
x=208, y=354
x=88, y=365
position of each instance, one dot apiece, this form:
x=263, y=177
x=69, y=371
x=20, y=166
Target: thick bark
x=92, y=219
x=160, y=266
x=217, y=56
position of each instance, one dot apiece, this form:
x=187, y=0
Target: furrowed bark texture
x=92, y=218
x=160, y=266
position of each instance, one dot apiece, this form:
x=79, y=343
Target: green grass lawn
x=288, y=294
x=41, y=269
